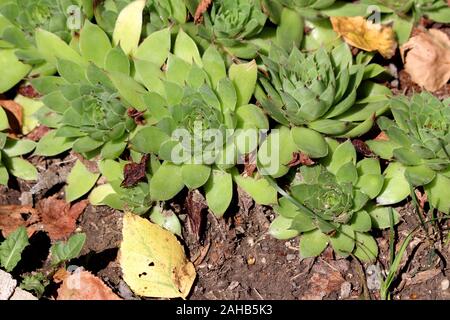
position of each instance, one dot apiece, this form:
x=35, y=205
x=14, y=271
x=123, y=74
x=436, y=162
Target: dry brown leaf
x=320, y=285
x=366, y=35
x=427, y=59
x=38, y=133
x=195, y=204
x=15, y=216
x=83, y=285
x=202, y=7
x=59, y=217
x=382, y=137
x=15, y=110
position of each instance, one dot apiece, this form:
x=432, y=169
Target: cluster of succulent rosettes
x=19, y=21
x=233, y=24
x=419, y=139
x=11, y=151
x=158, y=14
x=195, y=106
x=437, y=9
x=84, y=106
x=314, y=94
x=49, y=15
x=330, y=203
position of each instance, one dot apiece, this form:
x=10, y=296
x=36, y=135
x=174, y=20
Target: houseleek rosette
x=195, y=107
x=320, y=94
x=82, y=103
x=330, y=203
x=234, y=25
x=419, y=143
x=11, y=151
x=436, y=10
x=19, y=19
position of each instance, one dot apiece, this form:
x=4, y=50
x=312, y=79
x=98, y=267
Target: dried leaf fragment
x=135, y=172
x=16, y=111
x=15, y=216
x=201, y=8
x=366, y=35
x=195, y=204
x=59, y=217
x=83, y=285
x=427, y=59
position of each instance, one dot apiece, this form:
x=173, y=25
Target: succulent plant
x=19, y=21
x=234, y=25
x=436, y=10
x=83, y=103
x=329, y=203
x=419, y=140
x=195, y=107
x=316, y=95
x=11, y=151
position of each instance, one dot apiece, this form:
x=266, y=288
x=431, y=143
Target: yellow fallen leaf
x=153, y=261
x=427, y=59
x=366, y=35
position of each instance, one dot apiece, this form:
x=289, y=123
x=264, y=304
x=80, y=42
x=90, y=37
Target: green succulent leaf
x=166, y=219
x=195, y=175
x=258, y=188
x=437, y=193
x=219, y=191
x=79, y=181
x=94, y=44
x=366, y=247
x=280, y=229
x=155, y=48
x=167, y=182
x=21, y=168
x=13, y=69
x=128, y=27
x=51, y=145
x=396, y=187
x=310, y=142
x=244, y=79
x=343, y=242
x=380, y=217
x=313, y=243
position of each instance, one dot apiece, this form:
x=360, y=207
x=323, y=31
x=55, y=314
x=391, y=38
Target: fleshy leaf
x=79, y=181
x=219, y=191
x=128, y=28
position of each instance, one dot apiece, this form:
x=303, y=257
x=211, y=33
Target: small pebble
x=251, y=261
x=346, y=289
x=445, y=284
x=233, y=285
x=291, y=257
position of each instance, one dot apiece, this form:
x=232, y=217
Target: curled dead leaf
x=195, y=205
x=366, y=35
x=427, y=59
x=15, y=216
x=83, y=285
x=59, y=217
x=15, y=114
x=135, y=172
